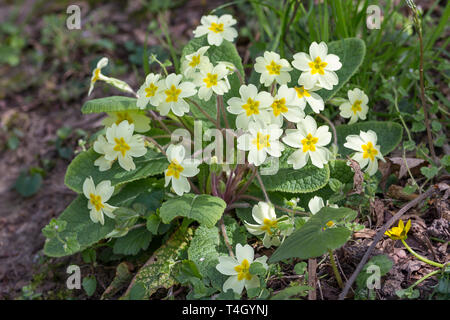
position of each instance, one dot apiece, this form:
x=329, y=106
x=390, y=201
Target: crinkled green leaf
x=110, y=104
x=203, y=208
x=314, y=238
x=351, y=52
x=389, y=134
x=225, y=52
x=133, y=242
x=76, y=215
x=82, y=167
x=160, y=272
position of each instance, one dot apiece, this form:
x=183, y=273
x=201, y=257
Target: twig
x=156, y=144
x=258, y=177
x=225, y=237
x=157, y=118
x=312, y=278
x=380, y=234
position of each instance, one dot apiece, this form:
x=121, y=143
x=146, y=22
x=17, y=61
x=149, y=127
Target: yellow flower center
x=195, y=61
x=251, y=107
x=243, y=270
x=356, y=106
x=261, y=141
x=151, y=90
x=96, y=201
x=172, y=94
x=216, y=27
x=309, y=143
x=96, y=75
x=121, y=116
x=174, y=169
x=330, y=224
x=317, y=66
x=302, y=92
x=369, y=151
x=273, y=68
x=210, y=80
x=279, y=106
x=121, y=146
x=399, y=232
x=268, y=224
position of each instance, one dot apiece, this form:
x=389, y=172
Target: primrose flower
x=174, y=92
x=273, y=68
x=356, y=106
x=309, y=96
x=179, y=169
x=217, y=29
x=316, y=203
x=239, y=269
x=310, y=141
x=399, y=232
x=194, y=62
x=318, y=67
x=150, y=91
x=251, y=106
x=99, y=147
x=267, y=223
x=121, y=145
x=286, y=105
x=211, y=79
x=367, y=150
x=96, y=73
x=140, y=120
x=260, y=141
x=97, y=199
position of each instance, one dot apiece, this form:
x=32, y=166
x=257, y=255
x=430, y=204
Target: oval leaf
x=110, y=104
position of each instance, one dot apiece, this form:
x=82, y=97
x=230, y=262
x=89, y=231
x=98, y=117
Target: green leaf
x=133, y=242
x=160, y=272
x=225, y=52
x=78, y=221
x=389, y=134
x=110, y=104
x=307, y=179
x=82, y=167
x=381, y=261
x=300, y=268
x=258, y=269
x=203, y=252
x=153, y=223
x=89, y=285
x=429, y=172
x=351, y=52
x=28, y=184
x=121, y=279
x=203, y=208
x=314, y=238
x=290, y=292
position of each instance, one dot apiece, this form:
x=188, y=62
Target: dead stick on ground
x=312, y=278
x=380, y=234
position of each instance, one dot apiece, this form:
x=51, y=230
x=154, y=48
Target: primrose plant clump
x=221, y=177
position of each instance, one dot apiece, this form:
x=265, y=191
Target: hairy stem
x=418, y=256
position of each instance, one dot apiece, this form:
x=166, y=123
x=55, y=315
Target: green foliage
x=376, y=266
x=28, y=183
x=82, y=167
x=315, y=238
x=76, y=217
x=292, y=292
x=133, y=242
x=89, y=285
x=110, y=104
x=307, y=179
x=159, y=273
x=203, y=208
x=389, y=134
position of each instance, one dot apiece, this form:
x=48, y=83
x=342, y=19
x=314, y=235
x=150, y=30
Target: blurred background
x=45, y=71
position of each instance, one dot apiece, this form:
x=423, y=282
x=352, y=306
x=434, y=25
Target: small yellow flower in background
x=238, y=269
x=217, y=29
x=98, y=195
x=140, y=120
x=399, y=232
x=355, y=107
x=97, y=74
x=273, y=68
x=367, y=150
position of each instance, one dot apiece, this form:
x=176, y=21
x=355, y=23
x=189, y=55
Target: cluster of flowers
x=261, y=114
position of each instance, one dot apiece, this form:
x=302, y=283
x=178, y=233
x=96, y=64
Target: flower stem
x=335, y=269
x=423, y=279
x=439, y=265
x=258, y=177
